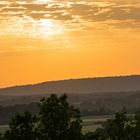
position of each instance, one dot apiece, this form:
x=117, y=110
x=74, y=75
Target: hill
x=78, y=86
x=93, y=96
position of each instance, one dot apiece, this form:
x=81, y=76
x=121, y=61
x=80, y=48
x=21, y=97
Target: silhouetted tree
x=59, y=120
x=120, y=127
x=116, y=128
x=22, y=127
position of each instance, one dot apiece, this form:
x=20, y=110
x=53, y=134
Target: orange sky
x=43, y=40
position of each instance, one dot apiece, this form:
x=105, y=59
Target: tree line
x=58, y=120
x=7, y=112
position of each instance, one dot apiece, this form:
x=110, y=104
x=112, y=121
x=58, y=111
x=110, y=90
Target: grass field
x=90, y=123
x=3, y=128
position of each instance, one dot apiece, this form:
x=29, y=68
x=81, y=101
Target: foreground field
x=3, y=128
x=90, y=123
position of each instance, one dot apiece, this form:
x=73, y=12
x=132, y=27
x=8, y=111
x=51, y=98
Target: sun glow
x=49, y=27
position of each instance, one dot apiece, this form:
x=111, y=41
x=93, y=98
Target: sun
x=48, y=27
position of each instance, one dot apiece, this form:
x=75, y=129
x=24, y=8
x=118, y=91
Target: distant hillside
x=78, y=86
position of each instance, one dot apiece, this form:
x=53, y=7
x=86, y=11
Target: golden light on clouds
x=44, y=40
x=42, y=1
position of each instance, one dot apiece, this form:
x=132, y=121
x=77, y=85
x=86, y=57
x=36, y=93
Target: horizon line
x=67, y=79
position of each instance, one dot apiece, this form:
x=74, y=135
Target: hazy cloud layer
x=33, y=16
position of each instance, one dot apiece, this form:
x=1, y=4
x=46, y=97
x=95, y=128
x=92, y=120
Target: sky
x=44, y=40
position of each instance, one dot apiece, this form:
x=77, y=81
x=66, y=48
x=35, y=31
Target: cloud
x=69, y=13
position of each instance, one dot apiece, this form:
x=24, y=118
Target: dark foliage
x=22, y=127
x=121, y=127
x=58, y=120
